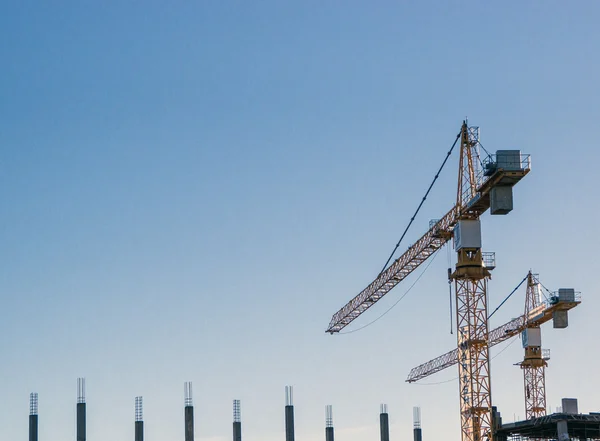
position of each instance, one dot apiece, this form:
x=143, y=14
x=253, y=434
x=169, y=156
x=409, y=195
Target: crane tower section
x=480, y=186
x=535, y=359
x=470, y=282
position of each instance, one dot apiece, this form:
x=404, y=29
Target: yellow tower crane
x=482, y=185
x=537, y=312
x=535, y=358
x=534, y=362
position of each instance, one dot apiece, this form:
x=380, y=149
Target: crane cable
x=421, y=204
x=549, y=292
x=507, y=297
x=450, y=283
x=397, y=301
x=503, y=349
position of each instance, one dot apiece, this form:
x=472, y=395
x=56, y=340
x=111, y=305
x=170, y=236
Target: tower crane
x=482, y=185
x=534, y=362
x=537, y=312
x=535, y=359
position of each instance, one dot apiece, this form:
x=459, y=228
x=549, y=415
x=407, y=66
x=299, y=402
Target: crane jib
x=434, y=239
x=545, y=313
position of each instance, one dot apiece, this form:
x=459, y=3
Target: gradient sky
x=189, y=191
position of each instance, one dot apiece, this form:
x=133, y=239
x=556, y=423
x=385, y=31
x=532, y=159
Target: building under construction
x=567, y=424
x=485, y=182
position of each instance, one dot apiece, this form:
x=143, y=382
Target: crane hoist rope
x=396, y=302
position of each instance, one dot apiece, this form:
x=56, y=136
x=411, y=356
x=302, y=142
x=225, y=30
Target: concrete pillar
x=81, y=430
x=289, y=414
x=417, y=435
x=237, y=421
x=139, y=420
x=139, y=431
x=237, y=431
x=562, y=430
x=384, y=424
x=189, y=423
x=329, y=423
x=328, y=433
x=289, y=423
x=188, y=411
x=81, y=411
x=33, y=428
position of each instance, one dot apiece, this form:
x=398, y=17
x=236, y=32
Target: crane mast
x=534, y=362
x=470, y=282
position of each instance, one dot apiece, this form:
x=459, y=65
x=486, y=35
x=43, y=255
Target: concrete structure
x=33, y=417
x=237, y=420
x=139, y=419
x=188, y=412
x=417, y=435
x=569, y=405
x=289, y=413
x=328, y=423
x=81, y=411
x=558, y=426
x=384, y=423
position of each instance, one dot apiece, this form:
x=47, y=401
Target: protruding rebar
x=289, y=414
x=139, y=409
x=33, y=416
x=417, y=433
x=328, y=423
x=237, y=411
x=187, y=392
x=139, y=419
x=384, y=423
x=417, y=417
x=188, y=412
x=33, y=403
x=237, y=420
x=81, y=412
x=81, y=390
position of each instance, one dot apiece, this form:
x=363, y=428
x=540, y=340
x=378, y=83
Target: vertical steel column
x=139, y=419
x=289, y=413
x=384, y=423
x=33, y=416
x=81, y=411
x=417, y=435
x=470, y=282
x=188, y=412
x=534, y=363
x=328, y=423
x=237, y=421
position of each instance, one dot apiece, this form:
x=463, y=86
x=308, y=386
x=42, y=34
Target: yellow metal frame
x=533, y=364
x=470, y=280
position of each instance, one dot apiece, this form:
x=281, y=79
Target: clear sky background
x=189, y=191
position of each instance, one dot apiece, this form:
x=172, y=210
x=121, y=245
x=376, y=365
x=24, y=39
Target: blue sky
x=189, y=191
